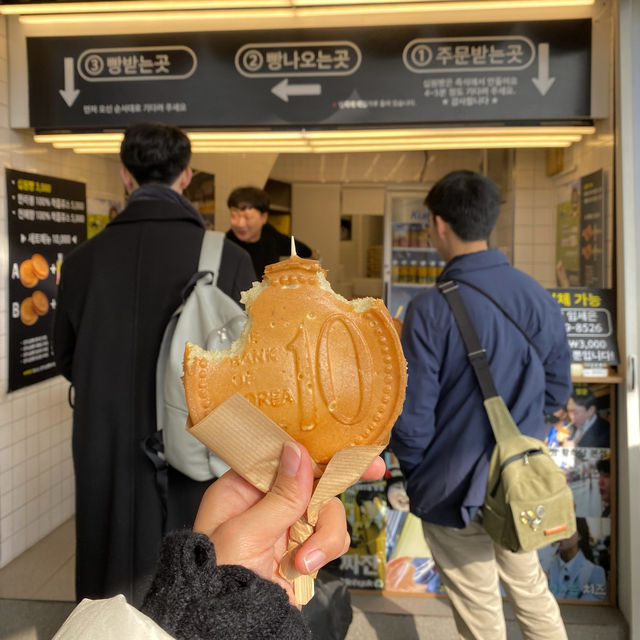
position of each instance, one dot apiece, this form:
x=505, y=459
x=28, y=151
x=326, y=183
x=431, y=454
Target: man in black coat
x=116, y=295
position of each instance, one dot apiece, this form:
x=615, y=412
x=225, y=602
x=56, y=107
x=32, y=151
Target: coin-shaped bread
x=28, y=278
x=328, y=371
x=40, y=266
x=40, y=302
x=28, y=314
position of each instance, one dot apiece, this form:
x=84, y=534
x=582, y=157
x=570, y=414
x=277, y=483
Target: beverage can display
x=432, y=270
x=413, y=271
x=395, y=271
x=404, y=271
x=423, y=272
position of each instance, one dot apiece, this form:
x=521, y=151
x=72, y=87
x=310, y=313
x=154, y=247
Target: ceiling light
x=326, y=5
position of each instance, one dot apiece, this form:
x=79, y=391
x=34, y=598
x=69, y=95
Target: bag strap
x=211, y=253
x=208, y=263
x=502, y=423
x=475, y=351
x=506, y=314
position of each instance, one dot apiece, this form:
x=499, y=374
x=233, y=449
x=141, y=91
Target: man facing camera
x=250, y=229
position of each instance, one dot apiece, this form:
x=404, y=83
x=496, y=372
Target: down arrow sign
x=69, y=93
x=543, y=82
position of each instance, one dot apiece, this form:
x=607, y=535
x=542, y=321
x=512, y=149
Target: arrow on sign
x=69, y=93
x=283, y=90
x=543, y=82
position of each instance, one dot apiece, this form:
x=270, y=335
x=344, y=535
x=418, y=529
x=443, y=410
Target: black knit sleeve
x=192, y=598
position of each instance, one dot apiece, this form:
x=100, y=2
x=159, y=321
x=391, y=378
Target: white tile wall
x=36, y=473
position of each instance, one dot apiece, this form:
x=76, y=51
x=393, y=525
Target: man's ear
x=441, y=227
x=128, y=180
x=184, y=179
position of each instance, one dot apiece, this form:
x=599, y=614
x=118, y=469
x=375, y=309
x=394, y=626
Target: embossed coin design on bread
x=330, y=372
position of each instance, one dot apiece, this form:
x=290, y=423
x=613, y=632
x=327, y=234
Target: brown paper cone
x=236, y=422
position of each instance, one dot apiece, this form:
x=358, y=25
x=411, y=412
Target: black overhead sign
x=314, y=77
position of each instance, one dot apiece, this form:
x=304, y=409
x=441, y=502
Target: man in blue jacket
x=443, y=438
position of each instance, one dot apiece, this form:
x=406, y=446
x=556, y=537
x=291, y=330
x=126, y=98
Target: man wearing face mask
x=250, y=229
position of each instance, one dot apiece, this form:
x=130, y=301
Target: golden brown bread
x=330, y=372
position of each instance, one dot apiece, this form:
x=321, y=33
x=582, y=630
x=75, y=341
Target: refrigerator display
x=410, y=264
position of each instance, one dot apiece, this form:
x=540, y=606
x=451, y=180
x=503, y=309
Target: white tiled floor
x=45, y=571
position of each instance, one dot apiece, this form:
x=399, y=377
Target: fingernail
x=314, y=560
x=290, y=460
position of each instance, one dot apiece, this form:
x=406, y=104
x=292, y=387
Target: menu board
x=47, y=218
x=592, y=229
x=590, y=320
x=567, y=241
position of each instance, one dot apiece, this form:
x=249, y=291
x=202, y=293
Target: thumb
x=289, y=495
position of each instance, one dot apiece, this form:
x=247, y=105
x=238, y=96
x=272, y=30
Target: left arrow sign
x=69, y=93
x=283, y=90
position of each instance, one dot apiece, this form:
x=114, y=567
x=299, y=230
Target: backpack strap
x=211, y=253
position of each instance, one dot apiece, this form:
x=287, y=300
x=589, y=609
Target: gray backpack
x=209, y=318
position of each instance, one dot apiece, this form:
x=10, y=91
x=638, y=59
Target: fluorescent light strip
x=339, y=134
x=329, y=6
x=233, y=149
x=342, y=141
x=382, y=143
x=429, y=10
x=142, y=5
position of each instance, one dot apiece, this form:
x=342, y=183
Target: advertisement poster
x=362, y=567
x=579, y=440
x=567, y=245
x=578, y=568
x=47, y=218
x=592, y=229
x=99, y=212
x=590, y=321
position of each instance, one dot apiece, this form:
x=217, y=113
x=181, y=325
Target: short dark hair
x=155, y=153
x=249, y=198
x=604, y=466
x=584, y=397
x=468, y=202
x=584, y=542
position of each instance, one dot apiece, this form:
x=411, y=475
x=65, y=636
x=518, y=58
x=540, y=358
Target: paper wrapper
x=228, y=429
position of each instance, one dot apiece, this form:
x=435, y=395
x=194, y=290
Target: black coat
x=117, y=293
x=597, y=435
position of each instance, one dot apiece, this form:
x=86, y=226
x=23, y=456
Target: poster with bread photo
x=46, y=219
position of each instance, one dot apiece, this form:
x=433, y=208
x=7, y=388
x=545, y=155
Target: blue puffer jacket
x=443, y=438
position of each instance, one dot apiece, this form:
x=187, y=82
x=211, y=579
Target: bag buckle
x=481, y=354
